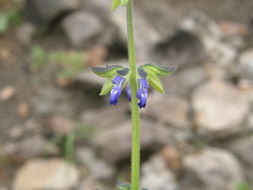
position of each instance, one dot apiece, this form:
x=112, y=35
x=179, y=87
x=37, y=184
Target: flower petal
x=115, y=94
x=118, y=80
x=128, y=92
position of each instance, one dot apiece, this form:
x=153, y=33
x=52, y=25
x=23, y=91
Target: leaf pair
x=117, y=3
x=153, y=72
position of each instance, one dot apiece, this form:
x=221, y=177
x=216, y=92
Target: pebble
x=169, y=109
x=80, y=27
x=7, y=93
x=60, y=125
x=156, y=175
x=23, y=110
x=219, y=108
x=46, y=174
x=212, y=169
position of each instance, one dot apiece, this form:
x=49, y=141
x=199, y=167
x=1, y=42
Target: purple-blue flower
x=116, y=90
x=128, y=92
x=142, y=93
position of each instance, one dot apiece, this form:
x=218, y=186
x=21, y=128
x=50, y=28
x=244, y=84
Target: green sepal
x=106, y=72
x=107, y=87
x=155, y=82
x=159, y=70
x=115, y=4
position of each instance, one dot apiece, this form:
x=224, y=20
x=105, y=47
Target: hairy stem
x=135, y=157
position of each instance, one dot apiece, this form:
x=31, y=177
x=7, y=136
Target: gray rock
x=212, y=169
x=246, y=64
x=49, y=10
x=144, y=43
x=25, y=33
x=169, y=109
x=182, y=83
x=200, y=24
x=100, y=7
x=156, y=175
x=81, y=27
x=219, y=52
x=211, y=37
x=89, y=183
x=243, y=148
x=219, y=108
x=182, y=49
x=59, y=125
x=55, y=100
x=110, y=116
x=46, y=174
x=29, y=148
x=97, y=168
x=160, y=15
x=114, y=144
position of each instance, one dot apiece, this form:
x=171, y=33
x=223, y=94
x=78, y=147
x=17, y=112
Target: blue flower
x=116, y=90
x=128, y=92
x=142, y=93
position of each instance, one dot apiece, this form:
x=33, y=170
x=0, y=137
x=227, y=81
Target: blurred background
x=57, y=133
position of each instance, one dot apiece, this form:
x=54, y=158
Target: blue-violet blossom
x=116, y=90
x=142, y=93
x=128, y=92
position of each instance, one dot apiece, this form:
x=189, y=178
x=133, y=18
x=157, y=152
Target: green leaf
x=115, y=4
x=124, y=2
x=106, y=87
x=159, y=70
x=106, y=72
x=155, y=82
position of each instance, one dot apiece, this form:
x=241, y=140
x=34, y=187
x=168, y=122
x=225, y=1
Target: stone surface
x=183, y=82
x=212, y=169
x=156, y=175
x=97, y=168
x=23, y=110
x=111, y=116
x=183, y=49
x=25, y=33
x=46, y=174
x=49, y=10
x=145, y=42
x=7, y=93
x=60, y=125
x=95, y=56
x=168, y=109
x=34, y=146
x=50, y=100
x=101, y=7
x=210, y=35
x=89, y=183
x=172, y=157
x=81, y=27
x=246, y=64
x=114, y=144
x=219, y=108
x=243, y=148
x=200, y=24
x=219, y=52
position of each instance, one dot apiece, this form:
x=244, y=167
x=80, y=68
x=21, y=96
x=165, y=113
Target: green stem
x=135, y=157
